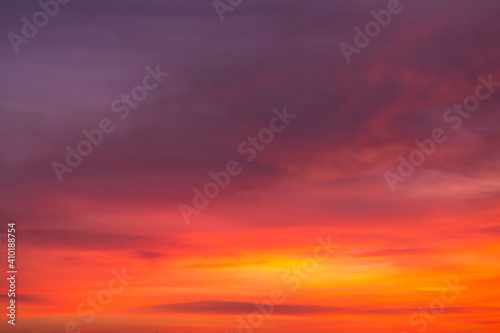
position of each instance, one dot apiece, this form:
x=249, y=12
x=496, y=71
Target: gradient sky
x=323, y=175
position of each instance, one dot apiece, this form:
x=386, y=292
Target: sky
x=356, y=194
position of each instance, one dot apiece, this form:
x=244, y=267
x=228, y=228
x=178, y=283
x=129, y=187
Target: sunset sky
x=320, y=184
